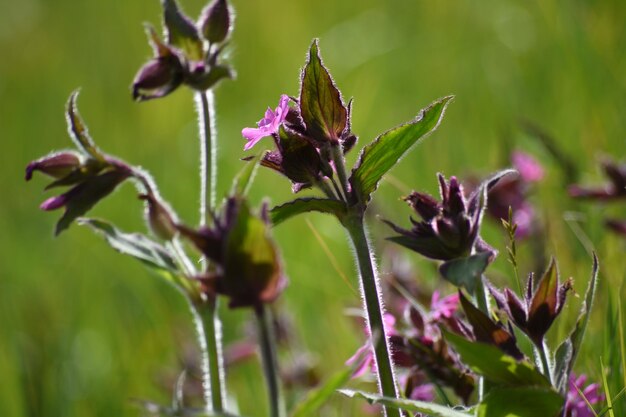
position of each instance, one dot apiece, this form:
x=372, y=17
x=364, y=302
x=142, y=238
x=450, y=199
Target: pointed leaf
x=245, y=177
x=181, y=31
x=316, y=398
x=321, y=106
x=521, y=402
x=495, y=365
x=303, y=205
x=382, y=154
x=136, y=245
x=78, y=130
x=434, y=410
x=463, y=272
x=575, y=338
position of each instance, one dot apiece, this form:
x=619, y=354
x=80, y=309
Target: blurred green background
x=83, y=330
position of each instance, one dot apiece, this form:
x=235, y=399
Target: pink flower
x=443, y=308
x=576, y=406
x=268, y=125
x=529, y=169
x=364, y=356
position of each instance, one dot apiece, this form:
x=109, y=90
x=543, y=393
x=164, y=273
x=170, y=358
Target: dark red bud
x=56, y=165
x=157, y=78
x=215, y=21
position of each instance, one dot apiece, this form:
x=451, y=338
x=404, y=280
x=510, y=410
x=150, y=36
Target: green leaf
x=78, y=130
x=495, y=365
x=136, y=245
x=85, y=195
x=303, y=205
x=521, y=402
x=321, y=105
x=386, y=150
x=434, y=410
x=181, y=31
x=316, y=398
x=463, y=272
x=564, y=362
x=245, y=177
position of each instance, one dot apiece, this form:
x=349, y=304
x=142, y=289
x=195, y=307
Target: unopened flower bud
x=160, y=217
x=56, y=165
x=215, y=21
x=157, y=78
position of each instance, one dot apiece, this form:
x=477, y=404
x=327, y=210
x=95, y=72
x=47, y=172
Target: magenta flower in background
x=575, y=405
x=528, y=167
x=513, y=192
x=443, y=308
x=268, y=125
x=364, y=356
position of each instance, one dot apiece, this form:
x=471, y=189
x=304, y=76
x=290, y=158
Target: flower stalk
x=212, y=361
x=267, y=342
x=373, y=308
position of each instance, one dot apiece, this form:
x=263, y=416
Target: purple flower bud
x=56, y=165
x=449, y=229
x=157, y=78
x=215, y=21
x=160, y=217
x=616, y=188
x=54, y=203
x=248, y=268
x=530, y=170
x=576, y=405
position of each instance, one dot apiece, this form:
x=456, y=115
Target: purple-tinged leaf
x=321, y=105
x=80, y=199
x=486, y=331
x=544, y=306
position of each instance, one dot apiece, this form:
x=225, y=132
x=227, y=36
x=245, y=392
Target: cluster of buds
x=537, y=311
x=91, y=174
x=306, y=134
x=244, y=262
x=614, y=190
x=512, y=193
x=190, y=54
x=449, y=229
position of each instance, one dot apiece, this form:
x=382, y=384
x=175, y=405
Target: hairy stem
x=267, y=342
x=213, y=359
x=373, y=308
x=545, y=362
x=208, y=171
x=341, y=169
x=209, y=331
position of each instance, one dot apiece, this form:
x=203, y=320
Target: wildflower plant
x=461, y=348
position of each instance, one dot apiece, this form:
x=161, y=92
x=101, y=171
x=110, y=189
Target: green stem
x=545, y=363
x=341, y=169
x=208, y=171
x=267, y=341
x=209, y=331
x=373, y=308
x=482, y=302
x=213, y=359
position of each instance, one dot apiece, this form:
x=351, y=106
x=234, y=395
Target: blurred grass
x=83, y=330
